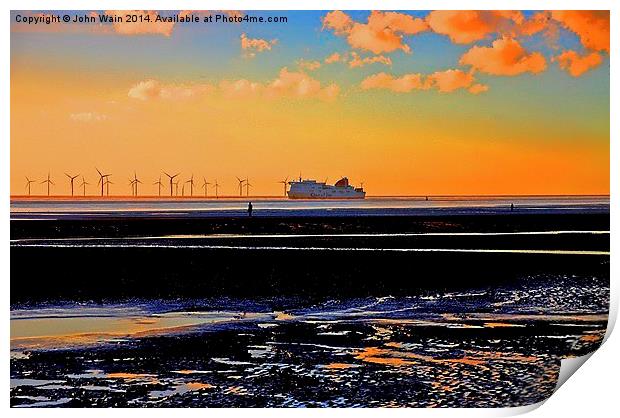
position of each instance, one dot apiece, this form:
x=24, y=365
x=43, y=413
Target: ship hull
x=326, y=197
x=310, y=189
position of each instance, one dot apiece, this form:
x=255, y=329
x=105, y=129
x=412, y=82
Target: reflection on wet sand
x=198, y=386
x=592, y=338
x=399, y=358
x=303, y=364
x=501, y=325
x=340, y=366
x=129, y=376
x=526, y=317
x=45, y=333
x=190, y=371
x=40, y=333
x=427, y=350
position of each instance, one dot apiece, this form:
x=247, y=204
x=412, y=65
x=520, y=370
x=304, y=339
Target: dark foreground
x=378, y=313
x=315, y=257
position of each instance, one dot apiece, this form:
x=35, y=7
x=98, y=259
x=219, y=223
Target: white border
x=592, y=392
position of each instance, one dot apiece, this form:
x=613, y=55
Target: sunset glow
x=409, y=103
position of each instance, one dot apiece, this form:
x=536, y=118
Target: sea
x=24, y=208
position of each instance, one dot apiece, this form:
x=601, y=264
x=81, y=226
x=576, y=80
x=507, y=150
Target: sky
x=409, y=103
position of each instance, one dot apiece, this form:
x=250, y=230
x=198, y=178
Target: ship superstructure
x=311, y=189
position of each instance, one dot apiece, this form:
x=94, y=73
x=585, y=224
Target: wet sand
x=112, y=226
x=292, y=363
x=309, y=257
x=422, y=311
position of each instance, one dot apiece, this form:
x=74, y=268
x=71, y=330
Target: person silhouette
x=512, y=207
x=250, y=209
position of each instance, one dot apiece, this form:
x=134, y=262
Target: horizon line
x=422, y=196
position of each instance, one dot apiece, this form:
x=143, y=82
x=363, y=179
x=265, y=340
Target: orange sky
x=526, y=133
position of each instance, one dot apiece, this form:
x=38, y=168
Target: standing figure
x=250, y=209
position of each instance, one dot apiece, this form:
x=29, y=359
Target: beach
x=314, y=256
x=466, y=306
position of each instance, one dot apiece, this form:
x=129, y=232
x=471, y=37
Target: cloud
x=396, y=22
x=535, y=24
x=449, y=80
x=340, y=22
x=335, y=57
x=575, y=64
x=300, y=85
x=308, y=65
x=87, y=117
x=382, y=33
x=591, y=26
x=141, y=27
x=541, y=22
x=251, y=46
x=478, y=88
x=467, y=26
x=404, y=84
x=153, y=89
x=357, y=61
x=505, y=57
x=446, y=81
x=288, y=84
x=241, y=88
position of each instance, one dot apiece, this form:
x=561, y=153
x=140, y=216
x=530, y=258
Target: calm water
x=284, y=207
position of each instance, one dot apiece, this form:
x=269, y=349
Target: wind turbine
x=107, y=186
x=183, y=189
x=217, y=187
x=284, y=182
x=171, y=178
x=191, y=185
x=159, y=185
x=83, y=185
x=71, y=178
x=134, y=184
x=102, y=179
x=247, y=187
x=205, y=185
x=240, y=186
x=28, y=181
x=48, y=181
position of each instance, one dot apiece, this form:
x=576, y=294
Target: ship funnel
x=343, y=182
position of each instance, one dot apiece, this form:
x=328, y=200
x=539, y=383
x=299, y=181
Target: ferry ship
x=311, y=189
